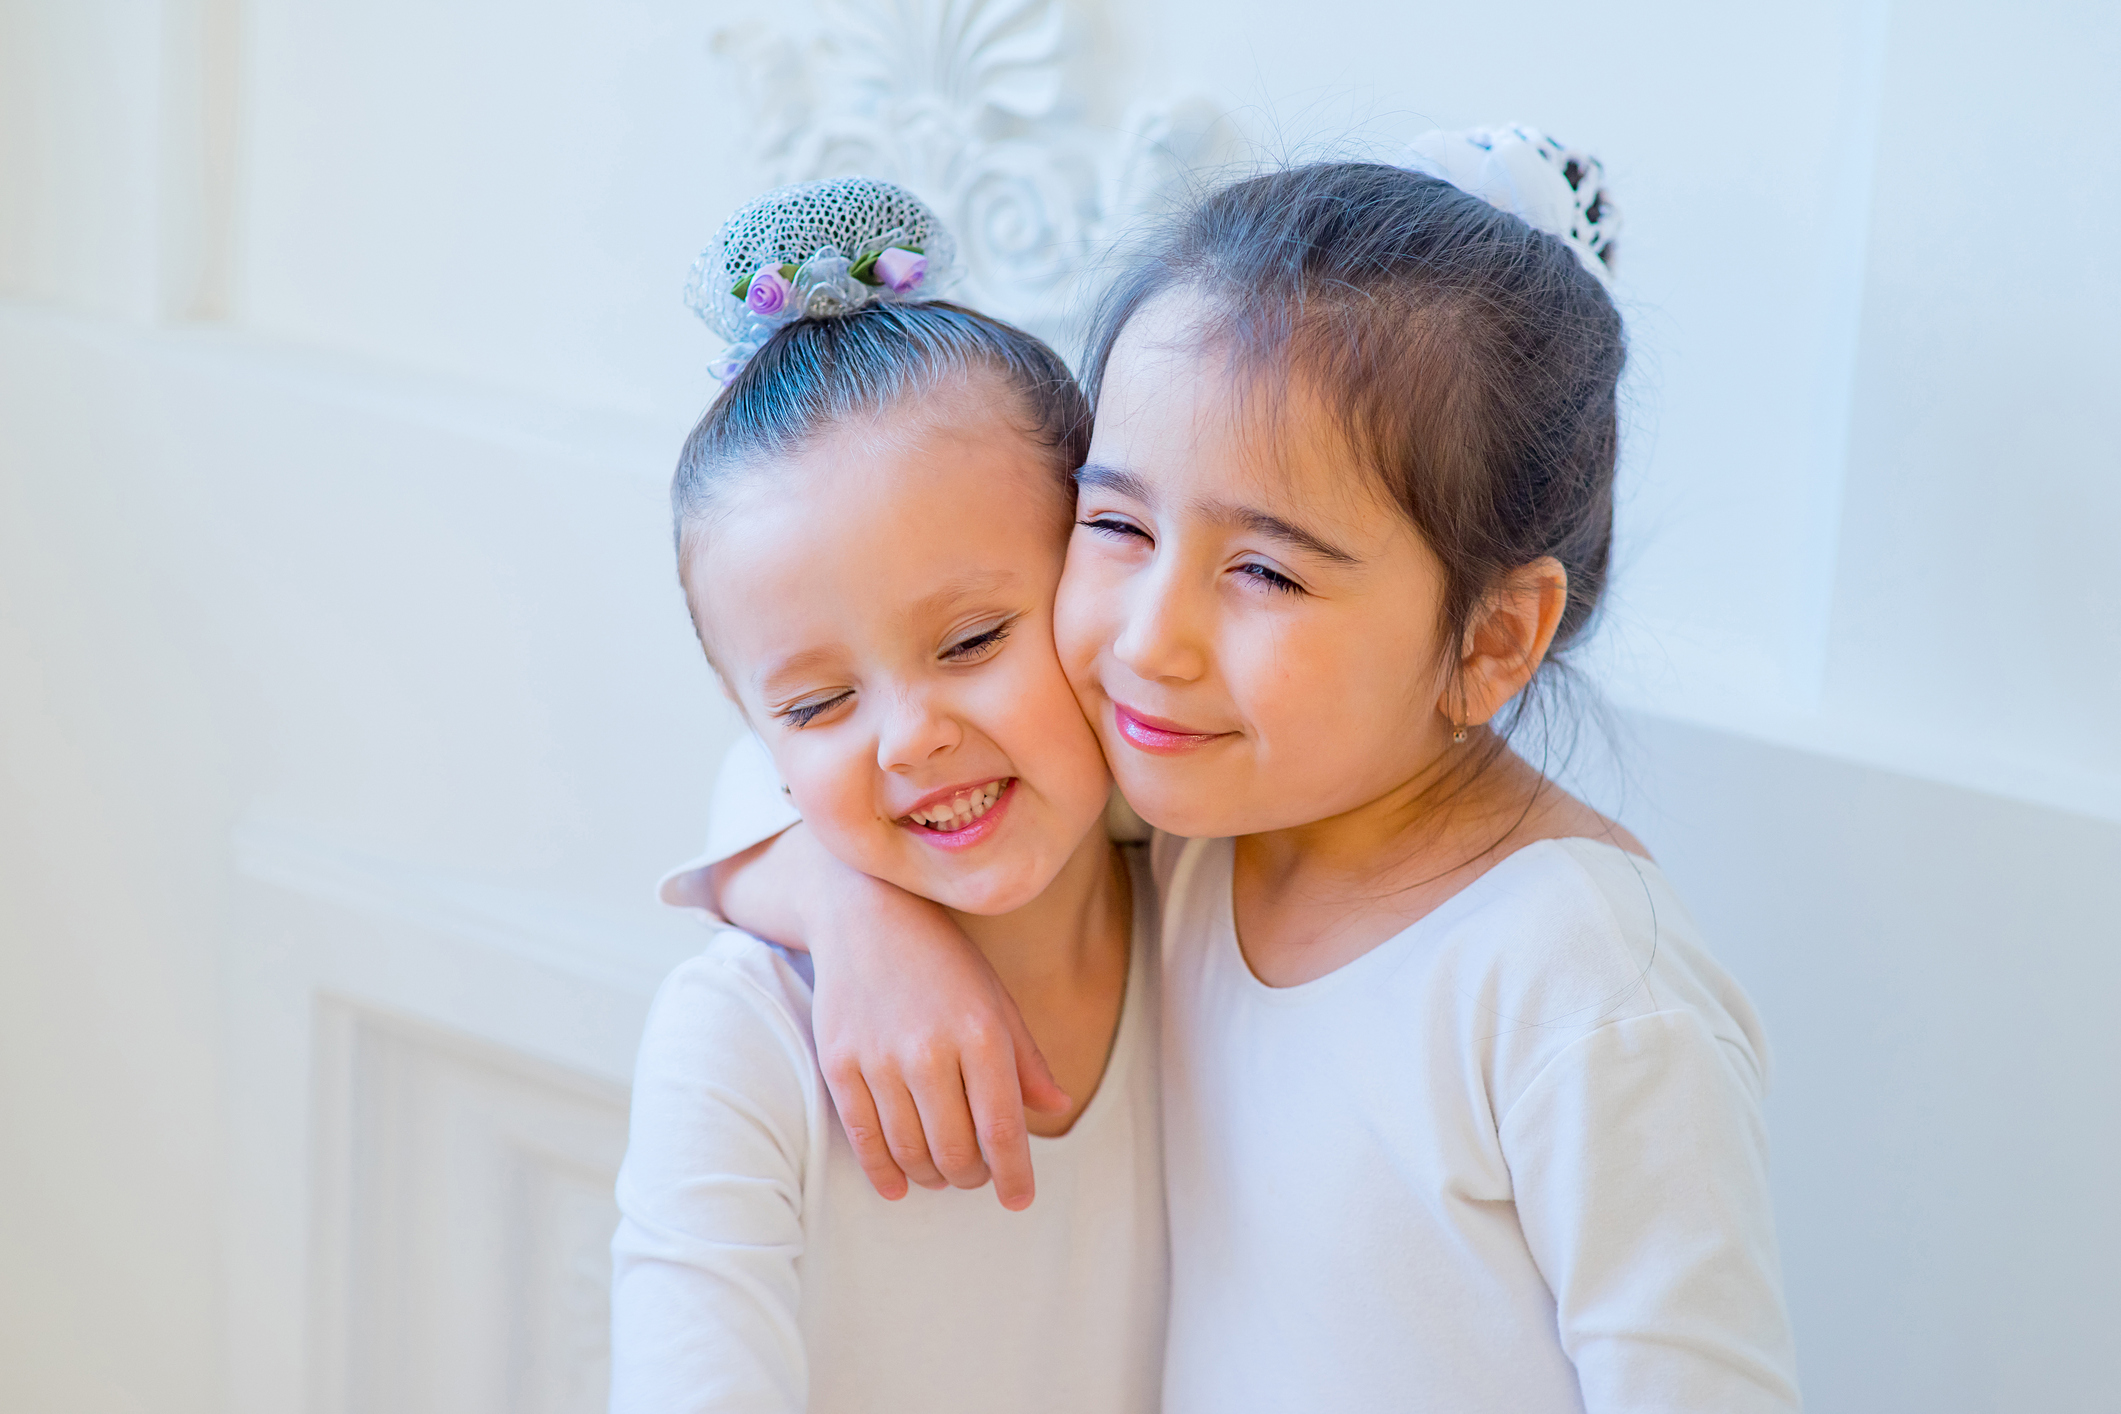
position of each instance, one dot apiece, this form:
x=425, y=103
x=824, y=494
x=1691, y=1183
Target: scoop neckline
x=1300, y=992
x=1119, y=1061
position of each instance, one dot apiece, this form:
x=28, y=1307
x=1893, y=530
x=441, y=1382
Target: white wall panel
x=1977, y=605
x=509, y=193
x=81, y=93
x=465, y=1214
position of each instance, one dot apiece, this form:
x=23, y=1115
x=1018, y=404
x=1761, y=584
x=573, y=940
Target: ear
x=1508, y=638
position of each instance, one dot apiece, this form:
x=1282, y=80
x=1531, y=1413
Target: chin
x=1167, y=806
x=988, y=897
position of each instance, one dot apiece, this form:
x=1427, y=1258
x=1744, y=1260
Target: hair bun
x=812, y=251
x=1550, y=186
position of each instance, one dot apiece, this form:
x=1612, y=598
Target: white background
x=347, y=706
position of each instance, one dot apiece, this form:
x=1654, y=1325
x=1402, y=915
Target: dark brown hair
x=1470, y=359
x=813, y=373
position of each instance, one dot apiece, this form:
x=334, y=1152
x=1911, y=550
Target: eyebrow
x=946, y=596
x=1275, y=528
x=1111, y=478
x=964, y=586
x=1126, y=483
x=776, y=675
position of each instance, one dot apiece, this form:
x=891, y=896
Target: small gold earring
x=1458, y=733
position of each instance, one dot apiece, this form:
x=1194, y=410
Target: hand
x=923, y=1049
x=926, y=1055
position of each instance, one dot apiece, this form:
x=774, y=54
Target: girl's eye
x=1113, y=526
x=980, y=645
x=802, y=714
x=1278, y=582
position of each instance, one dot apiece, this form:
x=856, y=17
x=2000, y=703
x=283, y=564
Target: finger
x=998, y=1113
x=857, y=1111
x=939, y=1094
x=1041, y=1091
x=903, y=1134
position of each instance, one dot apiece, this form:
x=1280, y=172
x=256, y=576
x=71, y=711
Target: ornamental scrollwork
x=968, y=103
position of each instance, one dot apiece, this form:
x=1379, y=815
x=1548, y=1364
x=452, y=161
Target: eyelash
x=1113, y=527
x=803, y=714
x=964, y=651
x=1279, y=583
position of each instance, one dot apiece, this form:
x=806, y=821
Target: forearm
x=792, y=891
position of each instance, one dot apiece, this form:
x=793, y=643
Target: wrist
x=850, y=904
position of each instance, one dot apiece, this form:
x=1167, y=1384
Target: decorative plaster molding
x=967, y=102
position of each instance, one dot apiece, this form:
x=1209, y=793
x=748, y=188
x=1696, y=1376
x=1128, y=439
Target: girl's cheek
x=1079, y=610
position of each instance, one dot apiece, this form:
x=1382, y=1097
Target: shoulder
x=738, y=1006
x=1567, y=936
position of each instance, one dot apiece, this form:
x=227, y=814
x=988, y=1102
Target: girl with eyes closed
x=871, y=521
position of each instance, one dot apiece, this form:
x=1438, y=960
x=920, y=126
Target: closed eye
x=1113, y=526
x=802, y=714
x=979, y=645
x=1270, y=577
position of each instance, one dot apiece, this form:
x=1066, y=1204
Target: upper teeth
x=961, y=809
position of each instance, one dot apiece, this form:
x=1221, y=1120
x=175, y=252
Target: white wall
x=342, y=673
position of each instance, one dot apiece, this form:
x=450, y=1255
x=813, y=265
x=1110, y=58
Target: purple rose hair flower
x=901, y=269
x=770, y=291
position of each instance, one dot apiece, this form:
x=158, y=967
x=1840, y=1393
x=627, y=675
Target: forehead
x=876, y=529
x=1183, y=410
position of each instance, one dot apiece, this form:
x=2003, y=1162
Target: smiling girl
x=1460, y=1114
x=871, y=521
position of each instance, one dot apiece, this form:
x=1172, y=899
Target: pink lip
x=973, y=833
x=1163, y=738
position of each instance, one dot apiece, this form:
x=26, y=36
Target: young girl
x=1459, y=1114
x=871, y=521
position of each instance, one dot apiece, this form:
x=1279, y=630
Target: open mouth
x=960, y=810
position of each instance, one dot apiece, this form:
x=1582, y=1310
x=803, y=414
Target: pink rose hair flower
x=901, y=270
x=770, y=292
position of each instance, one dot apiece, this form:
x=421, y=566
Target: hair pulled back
x=1471, y=361
x=813, y=373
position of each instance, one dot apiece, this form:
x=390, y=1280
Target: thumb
x=1041, y=1091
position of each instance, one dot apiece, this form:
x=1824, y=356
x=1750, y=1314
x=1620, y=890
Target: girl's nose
x=1160, y=639
x=915, y=732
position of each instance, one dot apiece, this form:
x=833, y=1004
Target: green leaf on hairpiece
x=741, y=288
x=865, y=269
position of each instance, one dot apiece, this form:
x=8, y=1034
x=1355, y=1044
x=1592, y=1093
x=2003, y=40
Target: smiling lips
x=1161, y=737
x=961, y=817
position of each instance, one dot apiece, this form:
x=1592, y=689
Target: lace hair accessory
x=1521, y=170
x=813, y=251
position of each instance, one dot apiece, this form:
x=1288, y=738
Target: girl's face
x=1247, y=620
x=880, y=607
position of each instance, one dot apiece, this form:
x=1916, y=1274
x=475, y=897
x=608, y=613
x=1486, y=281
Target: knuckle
x=1005, y=1129
x=981, y=1033
x=958, y=1157
x=933, y=1054
x=841, y=1067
